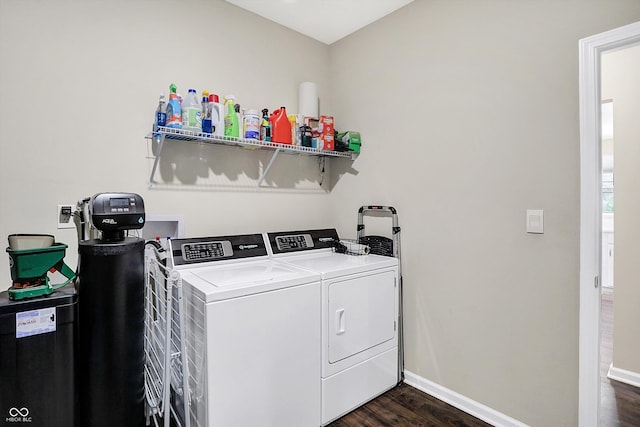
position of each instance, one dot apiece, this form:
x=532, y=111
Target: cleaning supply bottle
x=174, y=109
x=265, y=126
x=240, y=120
x=203, y=107
x=252, y=124
x=293, y=123
x=231, y=127
x=207, y=122
x=280, y=126
x=161, y=115
x=214, y=115
x=217, y=115
x=192, y=112
x=205, y=99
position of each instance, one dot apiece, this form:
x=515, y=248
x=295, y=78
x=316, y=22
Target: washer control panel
x=196, y=250
x=293, y=242
x=206, y=251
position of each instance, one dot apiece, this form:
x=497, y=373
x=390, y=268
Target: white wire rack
x=166, y=376
x=164, y=133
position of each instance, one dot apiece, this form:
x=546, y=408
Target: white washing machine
x=359, y=317
x=252, y=335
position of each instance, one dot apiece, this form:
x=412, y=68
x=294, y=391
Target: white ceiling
x=324, y=20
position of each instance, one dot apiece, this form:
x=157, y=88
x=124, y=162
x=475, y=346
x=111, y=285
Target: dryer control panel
x=292, y=242
x=297, y=241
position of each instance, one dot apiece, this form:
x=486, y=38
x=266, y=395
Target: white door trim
x=590, y=214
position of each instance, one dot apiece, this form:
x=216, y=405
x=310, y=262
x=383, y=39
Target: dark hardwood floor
x=620, y=403
x=406, y=406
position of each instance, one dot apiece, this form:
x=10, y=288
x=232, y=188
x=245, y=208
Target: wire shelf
x=164, y=133
x=165, y=356
x=190, y=136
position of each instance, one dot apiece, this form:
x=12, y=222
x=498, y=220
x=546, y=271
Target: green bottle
x=231, y=125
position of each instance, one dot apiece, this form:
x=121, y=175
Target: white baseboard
x=461, y=402
x=624, y=376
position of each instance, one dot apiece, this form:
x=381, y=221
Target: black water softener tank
x=111, y=315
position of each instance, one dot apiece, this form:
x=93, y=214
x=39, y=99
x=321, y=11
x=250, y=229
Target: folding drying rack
x=166, y=372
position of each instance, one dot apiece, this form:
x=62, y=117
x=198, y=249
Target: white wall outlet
x=535, y=221
x=65, y=216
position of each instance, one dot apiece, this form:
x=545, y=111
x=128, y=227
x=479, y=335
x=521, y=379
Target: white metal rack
x=198, y=137
x=164, y=338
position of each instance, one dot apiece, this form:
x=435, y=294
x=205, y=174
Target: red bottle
x=280, y=126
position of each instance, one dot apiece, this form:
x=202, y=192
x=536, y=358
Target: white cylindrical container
x=308, y=100
x=192, y=112
x=252, y=124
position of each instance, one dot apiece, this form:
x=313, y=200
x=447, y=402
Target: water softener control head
x=111, y=212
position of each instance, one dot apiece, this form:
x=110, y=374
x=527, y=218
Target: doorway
x=590, y=51
x=606, y=114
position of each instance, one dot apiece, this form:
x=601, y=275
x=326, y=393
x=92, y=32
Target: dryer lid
x=331, y=264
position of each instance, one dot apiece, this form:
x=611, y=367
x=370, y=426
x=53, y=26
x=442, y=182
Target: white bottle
x=210, y=118
x=217, y=114
x=252, y=122
x=192, y=112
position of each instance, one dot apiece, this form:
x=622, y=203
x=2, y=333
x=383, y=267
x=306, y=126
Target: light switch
x=535, y=221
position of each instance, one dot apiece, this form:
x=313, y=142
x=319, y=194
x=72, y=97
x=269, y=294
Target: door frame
x=590, y=50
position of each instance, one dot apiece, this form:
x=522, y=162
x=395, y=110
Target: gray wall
x=620, y=83
x=469, y=114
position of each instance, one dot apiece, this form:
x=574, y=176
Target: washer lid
x=245, y=278
x=331, y=264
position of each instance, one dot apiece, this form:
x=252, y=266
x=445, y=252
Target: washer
x=253, y=334
x=359, y=317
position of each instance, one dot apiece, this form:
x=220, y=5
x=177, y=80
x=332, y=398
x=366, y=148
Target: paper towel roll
x=308, y=99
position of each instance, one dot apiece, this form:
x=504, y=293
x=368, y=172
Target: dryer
x=359, y=317
x=253, y=334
